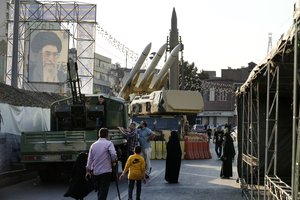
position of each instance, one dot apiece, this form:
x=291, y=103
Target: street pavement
x=198, y=179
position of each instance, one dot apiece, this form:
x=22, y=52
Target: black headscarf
x=228, y=147
x=79, y=186
x=173, y=160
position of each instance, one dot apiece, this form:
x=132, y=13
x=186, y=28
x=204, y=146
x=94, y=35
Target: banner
x=18, y=119
x=48, y=56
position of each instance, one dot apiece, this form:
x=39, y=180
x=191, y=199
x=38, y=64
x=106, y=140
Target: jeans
x=146, y=153
x=218, y=149
x=103, y=182
x=138, y=188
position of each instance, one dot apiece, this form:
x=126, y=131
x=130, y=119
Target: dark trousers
x=218, y=149
x=226, y=169
x=103, y=182
x=138, y=188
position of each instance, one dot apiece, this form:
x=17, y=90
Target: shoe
x=225, y=177
x=147, y=176
x=66, y=194
x=172, y=182
x=150, y=170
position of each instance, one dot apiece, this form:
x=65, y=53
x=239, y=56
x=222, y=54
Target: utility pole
x=269, y=43
x=15, y=64
x=126, y=59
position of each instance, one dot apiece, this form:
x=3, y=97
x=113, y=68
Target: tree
x=189, y=78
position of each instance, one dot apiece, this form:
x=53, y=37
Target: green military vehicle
x=74, y=125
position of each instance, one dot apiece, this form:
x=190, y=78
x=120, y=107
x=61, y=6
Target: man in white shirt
x=101, y=156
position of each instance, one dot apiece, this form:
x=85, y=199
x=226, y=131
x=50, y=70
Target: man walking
x=101, y=156
x=145, y=136
x=218, y=141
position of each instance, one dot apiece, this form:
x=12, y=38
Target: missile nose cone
x=152, y=66
x=134, y=72
x=147, y=49
x=176, y=50
x=162, y=49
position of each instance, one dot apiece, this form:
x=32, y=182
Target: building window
x=97, y=75
x=222, y=95
x=102, y=77
x=212, y=94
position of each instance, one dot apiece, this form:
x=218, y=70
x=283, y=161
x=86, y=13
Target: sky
x=216, y=34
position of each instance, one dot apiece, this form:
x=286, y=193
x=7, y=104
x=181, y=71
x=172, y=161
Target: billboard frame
x=78, y=18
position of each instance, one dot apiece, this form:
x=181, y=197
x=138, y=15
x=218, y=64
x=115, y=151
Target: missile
x=128, y=86
x=160, y=84
x=167, y=65
x=148, y=75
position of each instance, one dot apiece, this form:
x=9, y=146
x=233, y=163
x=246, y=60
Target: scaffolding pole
x=274, y=186
x=296, y=128
x=250, y=137
x=244, y=125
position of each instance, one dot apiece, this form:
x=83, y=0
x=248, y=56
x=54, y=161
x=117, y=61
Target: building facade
x=104, y=75
x=219, y=96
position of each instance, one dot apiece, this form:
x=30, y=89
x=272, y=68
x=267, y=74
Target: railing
x=278, y=189
x=55, y=137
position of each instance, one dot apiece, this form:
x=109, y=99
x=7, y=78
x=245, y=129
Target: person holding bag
x=101, y=155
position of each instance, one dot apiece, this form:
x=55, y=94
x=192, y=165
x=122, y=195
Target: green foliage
x=190, y=78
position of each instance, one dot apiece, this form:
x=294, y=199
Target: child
x=136, y=166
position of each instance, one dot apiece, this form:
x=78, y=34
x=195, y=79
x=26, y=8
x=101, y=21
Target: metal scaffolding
x=250, y=176
x=78, y=20
x=269, y=124
x=274, y=186
x=296, y=117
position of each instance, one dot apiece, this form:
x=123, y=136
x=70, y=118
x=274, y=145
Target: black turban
x=45, y=38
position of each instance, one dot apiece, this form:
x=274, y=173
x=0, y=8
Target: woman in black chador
x=173, y=160
x=79, y=186
x=227, y=156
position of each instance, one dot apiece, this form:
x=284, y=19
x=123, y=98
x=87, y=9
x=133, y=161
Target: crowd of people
x=99, y=165
x=96, y=169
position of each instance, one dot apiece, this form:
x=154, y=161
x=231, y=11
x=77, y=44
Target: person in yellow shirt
x=136, y=166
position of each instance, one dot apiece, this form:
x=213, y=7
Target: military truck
x=74, y=124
